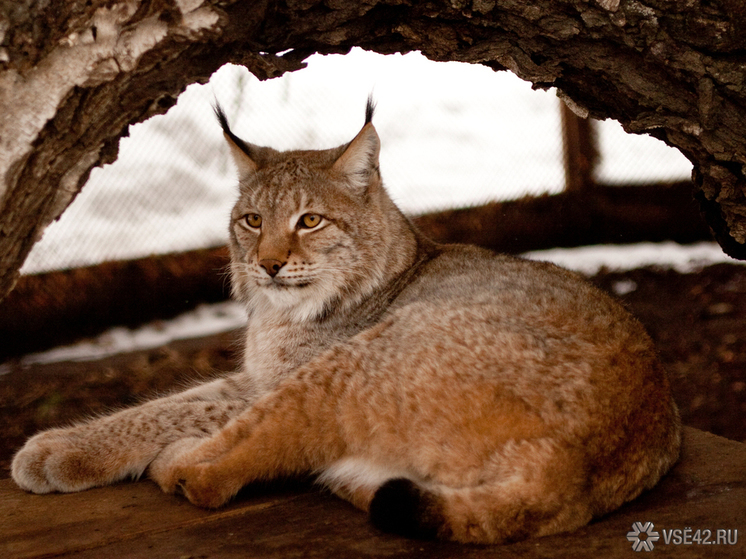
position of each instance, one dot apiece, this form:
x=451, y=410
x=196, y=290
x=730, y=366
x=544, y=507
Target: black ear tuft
x=370, y=108
x=401, y=507
x=223, y=120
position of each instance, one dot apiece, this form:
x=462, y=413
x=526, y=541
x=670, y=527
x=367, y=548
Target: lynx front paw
x=205, y=487
x=164, y=470
x=183, y=468
x=51, y=461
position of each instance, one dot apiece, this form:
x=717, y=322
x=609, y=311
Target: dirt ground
x=698, y=322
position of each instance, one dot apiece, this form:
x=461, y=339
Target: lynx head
x=313, y=231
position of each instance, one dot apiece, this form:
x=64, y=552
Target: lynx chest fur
x=448, y=391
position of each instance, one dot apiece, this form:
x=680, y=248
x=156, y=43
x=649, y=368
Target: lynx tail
x=401, y=507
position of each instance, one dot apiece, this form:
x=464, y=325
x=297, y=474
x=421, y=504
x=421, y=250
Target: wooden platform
x=706, y=490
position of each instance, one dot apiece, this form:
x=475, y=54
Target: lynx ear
x=360, y=159
x=240, y=150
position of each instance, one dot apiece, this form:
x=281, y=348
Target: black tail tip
x=401, y=507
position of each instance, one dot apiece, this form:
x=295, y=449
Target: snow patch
x=205, y=320
x=589, y=260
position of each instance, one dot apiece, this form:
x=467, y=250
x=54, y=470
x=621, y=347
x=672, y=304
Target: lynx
x=448, y=391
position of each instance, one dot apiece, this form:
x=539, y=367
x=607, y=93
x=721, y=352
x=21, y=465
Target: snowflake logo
x=643, y=536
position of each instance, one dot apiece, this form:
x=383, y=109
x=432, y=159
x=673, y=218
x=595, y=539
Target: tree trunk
x=75, y=73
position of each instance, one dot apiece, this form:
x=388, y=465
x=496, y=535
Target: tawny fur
x=454, y=392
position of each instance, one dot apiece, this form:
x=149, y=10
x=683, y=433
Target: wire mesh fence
x=452, y=134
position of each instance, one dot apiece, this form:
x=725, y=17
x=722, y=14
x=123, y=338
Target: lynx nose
x=272, y=266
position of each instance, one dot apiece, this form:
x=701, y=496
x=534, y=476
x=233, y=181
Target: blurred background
x=453, y=135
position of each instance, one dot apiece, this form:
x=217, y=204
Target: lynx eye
x=253, y=220
x=309, y=221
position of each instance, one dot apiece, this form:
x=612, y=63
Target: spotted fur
x=450, y=391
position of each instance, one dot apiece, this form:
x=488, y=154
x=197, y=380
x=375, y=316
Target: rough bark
x=75, y=73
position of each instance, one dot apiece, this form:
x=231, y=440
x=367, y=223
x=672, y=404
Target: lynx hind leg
x=534, y=489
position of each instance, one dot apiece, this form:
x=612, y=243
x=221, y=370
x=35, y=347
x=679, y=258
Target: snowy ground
x=453, y=134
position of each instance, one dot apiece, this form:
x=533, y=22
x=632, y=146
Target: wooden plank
x=706, y=490
x=41, y=525
x=599, y=215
